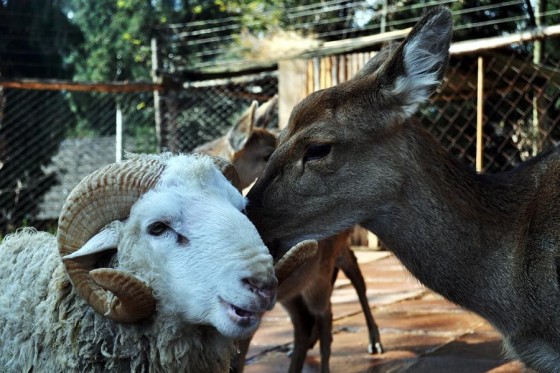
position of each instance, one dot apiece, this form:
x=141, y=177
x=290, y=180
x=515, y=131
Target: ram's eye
x=317, y=151
x=157, y=228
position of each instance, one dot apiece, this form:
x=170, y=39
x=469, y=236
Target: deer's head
x=249, y=143
x=341, y=157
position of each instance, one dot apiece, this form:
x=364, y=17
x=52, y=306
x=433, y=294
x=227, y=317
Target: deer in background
x=248, y=144
x=490, y=243
x=306, y=293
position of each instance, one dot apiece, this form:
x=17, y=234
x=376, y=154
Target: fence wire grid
x=521, y=108
x=206, y=110
x=49, y=140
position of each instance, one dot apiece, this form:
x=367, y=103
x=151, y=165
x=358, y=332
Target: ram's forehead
x=198, y=172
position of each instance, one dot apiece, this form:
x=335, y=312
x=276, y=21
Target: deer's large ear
x=241, y=131
x=265, y=112
x=376, y=61
x=416, y=67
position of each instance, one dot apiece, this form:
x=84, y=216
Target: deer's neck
x=454, y=229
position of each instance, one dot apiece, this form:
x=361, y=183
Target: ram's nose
x=264, y=287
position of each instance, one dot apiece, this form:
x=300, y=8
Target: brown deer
x=248, y=144
x=353, y=154
x=306, y=295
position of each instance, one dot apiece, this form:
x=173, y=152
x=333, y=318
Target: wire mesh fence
x=205, y=110
x=521, y=108
x=49, y=140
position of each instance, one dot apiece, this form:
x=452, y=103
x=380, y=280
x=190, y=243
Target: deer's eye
x=157, y=228
x=316, y=151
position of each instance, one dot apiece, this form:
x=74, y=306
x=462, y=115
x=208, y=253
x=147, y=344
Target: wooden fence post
x=292, y=87
x=480, y=116
x=118, y=134
x=157, y=104
x=537, y=59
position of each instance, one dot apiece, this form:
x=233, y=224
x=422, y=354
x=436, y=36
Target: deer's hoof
x=375, y=349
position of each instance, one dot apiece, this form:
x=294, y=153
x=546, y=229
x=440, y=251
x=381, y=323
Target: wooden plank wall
x=300, y=77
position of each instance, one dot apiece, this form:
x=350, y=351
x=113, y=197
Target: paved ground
x=420, y=331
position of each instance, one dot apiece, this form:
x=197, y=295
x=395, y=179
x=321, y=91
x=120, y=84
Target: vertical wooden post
x=118, y=135
x=328, y=72
x=157, y=102
x=480, y=115
x=316, y=74
x=341, y=68
x=334, y=70
x=537, y=59
x=293, y=86
x=383, y=16
x=324, y=73
x=310, y=78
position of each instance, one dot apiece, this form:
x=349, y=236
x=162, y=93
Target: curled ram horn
x=102, y=197
x=294, y=258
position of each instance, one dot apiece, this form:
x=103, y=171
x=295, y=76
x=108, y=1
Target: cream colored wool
x=46, y=327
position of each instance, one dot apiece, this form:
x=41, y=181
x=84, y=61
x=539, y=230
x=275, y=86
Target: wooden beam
x=230, y=70
x=365, y=43
x=352, y=44
x=58, y=85
x=479, y=45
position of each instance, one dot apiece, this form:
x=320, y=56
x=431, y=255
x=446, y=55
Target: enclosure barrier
x=52, y=133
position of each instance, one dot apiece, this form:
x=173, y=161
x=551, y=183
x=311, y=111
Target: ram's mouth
x=240, y=315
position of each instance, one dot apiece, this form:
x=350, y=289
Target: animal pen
x=499, y=105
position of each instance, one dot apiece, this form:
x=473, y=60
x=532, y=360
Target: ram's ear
x=105, y=240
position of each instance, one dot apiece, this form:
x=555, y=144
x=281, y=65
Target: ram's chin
x=237, y=323
x=237, y=332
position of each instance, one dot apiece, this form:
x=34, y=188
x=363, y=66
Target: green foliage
x=36, y=34
x=476, y=21
x=552, y=18
x=258, y=16
x=116, y=39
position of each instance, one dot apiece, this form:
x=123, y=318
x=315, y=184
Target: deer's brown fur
x=353, y=154
x=248, y=144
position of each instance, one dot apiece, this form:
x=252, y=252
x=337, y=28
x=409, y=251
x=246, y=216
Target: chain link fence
x=49, y=140
x=206, y=110
x=521, y=108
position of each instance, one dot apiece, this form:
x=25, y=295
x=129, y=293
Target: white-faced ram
x=306, y=294
x=160, y=271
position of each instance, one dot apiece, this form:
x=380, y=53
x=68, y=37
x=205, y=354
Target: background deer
x=306, y=295
x=248, y=144
x=489, y=243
